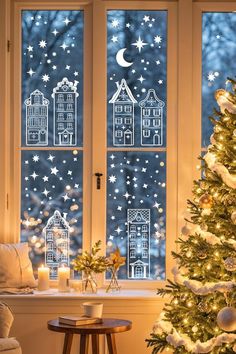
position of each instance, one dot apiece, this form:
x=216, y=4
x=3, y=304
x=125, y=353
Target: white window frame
x=99, y=127
x=178, y=81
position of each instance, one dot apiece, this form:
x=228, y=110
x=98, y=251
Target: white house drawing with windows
x=138, y=223
x=36, y=119
x=151, y=120
x=65, y=113
x=57, y=239
x=123, y=115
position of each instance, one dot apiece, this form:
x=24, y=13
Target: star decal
x=31, y=72
x=54, y=171
x=139, y=44
x=34, y=175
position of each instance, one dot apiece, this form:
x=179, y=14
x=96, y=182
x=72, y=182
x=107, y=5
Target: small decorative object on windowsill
x=63, y=279
x=115, y=262
x=90, y=264
x=43, y=278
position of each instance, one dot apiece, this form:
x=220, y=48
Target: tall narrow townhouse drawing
x=57, y=240
x=138, y=223
x=123, y=115
x=65, y=113
x=36, y=119
x=151, y=120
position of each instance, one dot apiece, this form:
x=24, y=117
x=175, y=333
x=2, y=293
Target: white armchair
x=7, y=345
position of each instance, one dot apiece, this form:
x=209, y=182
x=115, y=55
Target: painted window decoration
x=51, y=206
x=136, y=79
x=136, y=205
x=218, y=61
x=52, y=78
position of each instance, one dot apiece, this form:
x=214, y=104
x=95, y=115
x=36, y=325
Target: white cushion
x=15, y=266
x=8, y=344
x=6, y=320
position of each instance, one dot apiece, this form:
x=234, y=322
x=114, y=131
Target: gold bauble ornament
x=226, y=319
x=202, y=254
x=206, y=201
x=186, y=230
x=233, y=217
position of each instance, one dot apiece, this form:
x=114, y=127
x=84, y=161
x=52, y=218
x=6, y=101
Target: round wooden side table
x=108, y=327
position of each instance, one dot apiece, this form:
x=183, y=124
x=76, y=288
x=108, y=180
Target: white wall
x=33, y=311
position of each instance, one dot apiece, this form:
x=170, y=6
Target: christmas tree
x=200, y=316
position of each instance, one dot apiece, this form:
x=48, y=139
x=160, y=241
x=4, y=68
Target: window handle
x=98, y=175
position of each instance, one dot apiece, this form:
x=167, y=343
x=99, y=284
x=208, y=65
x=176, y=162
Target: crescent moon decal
x=120, y=58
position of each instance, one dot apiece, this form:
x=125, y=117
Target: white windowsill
x=101, y=294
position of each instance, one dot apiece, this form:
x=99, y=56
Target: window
x=118, y=120
x=218, y=53
x=146, y=122
x=132, y=254
x=144, y=236
x=118, y=108
x=146, y=112
x=118, y=133
x=51, y=179
x=69, y=116
x=132, y=244
x=60, y=98
x=156, y=112
x=60, y=107
x=128, y=120
x=144, y=244
x=132, y=175
x=146, y=133
x=69, y=97
x=128, y=109
x=144, y=254
x=57, y=149
x=156, y=123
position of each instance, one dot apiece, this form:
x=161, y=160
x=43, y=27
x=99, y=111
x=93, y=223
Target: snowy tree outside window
x=218, y=61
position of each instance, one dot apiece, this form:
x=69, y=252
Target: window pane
x=136, y=212
x=52, y=78
x=218, y=61
x=136, y=78
x=51, y=206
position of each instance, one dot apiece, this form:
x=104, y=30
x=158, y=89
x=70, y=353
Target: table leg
x=67, y=343
x=95, y=343
x=84, y=344
x=111, y=343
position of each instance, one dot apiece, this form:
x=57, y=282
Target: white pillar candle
x=63, y=279
x=43, y=278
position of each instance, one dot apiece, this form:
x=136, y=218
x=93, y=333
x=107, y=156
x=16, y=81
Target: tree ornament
x=186, y=229
x=225, y=102
x=205, y=201
x=204, y=227
x=189, y=254
x=194, y=329
x=203, y=306
x=202, y=254
x=233, y=217
x=226, y=319
x=212, y=139
x=230, y=264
